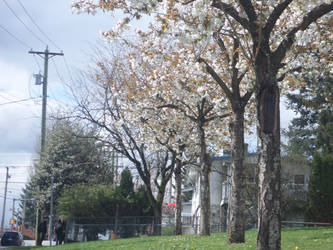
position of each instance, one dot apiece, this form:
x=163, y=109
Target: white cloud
x=19, y=122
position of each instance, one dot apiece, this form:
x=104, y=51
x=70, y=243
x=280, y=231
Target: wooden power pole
x=46, y=55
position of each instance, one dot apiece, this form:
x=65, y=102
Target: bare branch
x=249, y=10
x=216, y=77
x=279, y=54
x=216, y=117
x=235, y=57
x=231, y=11
x=278, y=10
x=247, y=97
x=172, y=106
x=220, y=43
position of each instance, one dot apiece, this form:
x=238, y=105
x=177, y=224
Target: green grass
x=292, y=239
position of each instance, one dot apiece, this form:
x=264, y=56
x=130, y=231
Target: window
x=299, y=179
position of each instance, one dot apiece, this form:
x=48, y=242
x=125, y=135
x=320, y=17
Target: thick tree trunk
x=157, y=228
x=269, y=162
x=236, y=222
x=205, y=168
x=178, y=215
x=205, y=201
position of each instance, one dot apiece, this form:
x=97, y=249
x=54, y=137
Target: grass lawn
x=292, y=239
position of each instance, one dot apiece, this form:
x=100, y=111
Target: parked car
x=12, y=239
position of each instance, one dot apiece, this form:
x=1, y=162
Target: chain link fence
x=105, y=228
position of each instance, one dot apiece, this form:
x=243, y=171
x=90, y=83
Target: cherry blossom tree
x=99, y=105
x=276, y=39
x=180, y=110
x=230, y=79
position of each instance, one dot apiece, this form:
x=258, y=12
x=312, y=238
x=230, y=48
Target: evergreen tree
x=324, y=138
x=73, y=155
x=126, y=186
x=320, y=195
x=309, y=103
x=27, y=198
x=98, y=200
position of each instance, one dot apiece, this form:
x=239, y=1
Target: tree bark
x=205, y=201
x=205, y=168
x=178, y=215
x=157, y=228
x=269, y=162
x=236, y=222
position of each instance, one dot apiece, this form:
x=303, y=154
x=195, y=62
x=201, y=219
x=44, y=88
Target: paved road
x=32, y=243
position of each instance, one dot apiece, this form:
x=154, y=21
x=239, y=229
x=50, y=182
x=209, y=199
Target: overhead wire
x=57, y=71
x=44, y=34
x=16, y=38
x=38, y=27
x=5, y=97
x=18, y=101
x=21, y=21
x=38, y=65
x=61, y=78
x=16, y=182
x=68, y=69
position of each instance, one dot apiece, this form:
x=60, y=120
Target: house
x=294, y=177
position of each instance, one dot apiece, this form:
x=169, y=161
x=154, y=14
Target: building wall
x=220, y=184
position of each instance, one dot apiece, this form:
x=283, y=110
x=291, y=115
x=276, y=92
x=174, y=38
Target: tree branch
x=247, y=97
x=216, y=77
x=172, y=106
x=279, y=54
x=216, y=117
x=220, y=43
x=278, y=10
x=249, y=10
x=235, y=57
x=231, y=11
x=297, y=69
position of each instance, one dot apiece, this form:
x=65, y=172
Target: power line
x=57, y=71
x=9, y=198
x=18, y=18
x=16, y=182
x=15, y=167
x=38, y=65
x=5, y=97
x=17, y=39
x=18, y=101
x=38, y=27
x=68, y=70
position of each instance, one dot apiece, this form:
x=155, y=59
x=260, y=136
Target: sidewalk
x=45, y=243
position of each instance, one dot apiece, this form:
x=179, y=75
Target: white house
x=295, y=178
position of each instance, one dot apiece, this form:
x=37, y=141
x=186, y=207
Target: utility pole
x=46, y=55
x=4, y=200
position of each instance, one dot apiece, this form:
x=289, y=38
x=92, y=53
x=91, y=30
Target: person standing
x=42, y=230
x=63, y=233
x=58, y=231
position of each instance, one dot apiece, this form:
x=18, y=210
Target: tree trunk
x=205, y=201
x=157, y=227
x=205, y=168
x=116, y=219
x=269, y=162
x=178, y=215
x=236, y=223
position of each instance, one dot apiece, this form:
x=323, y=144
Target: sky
x=32, y=25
